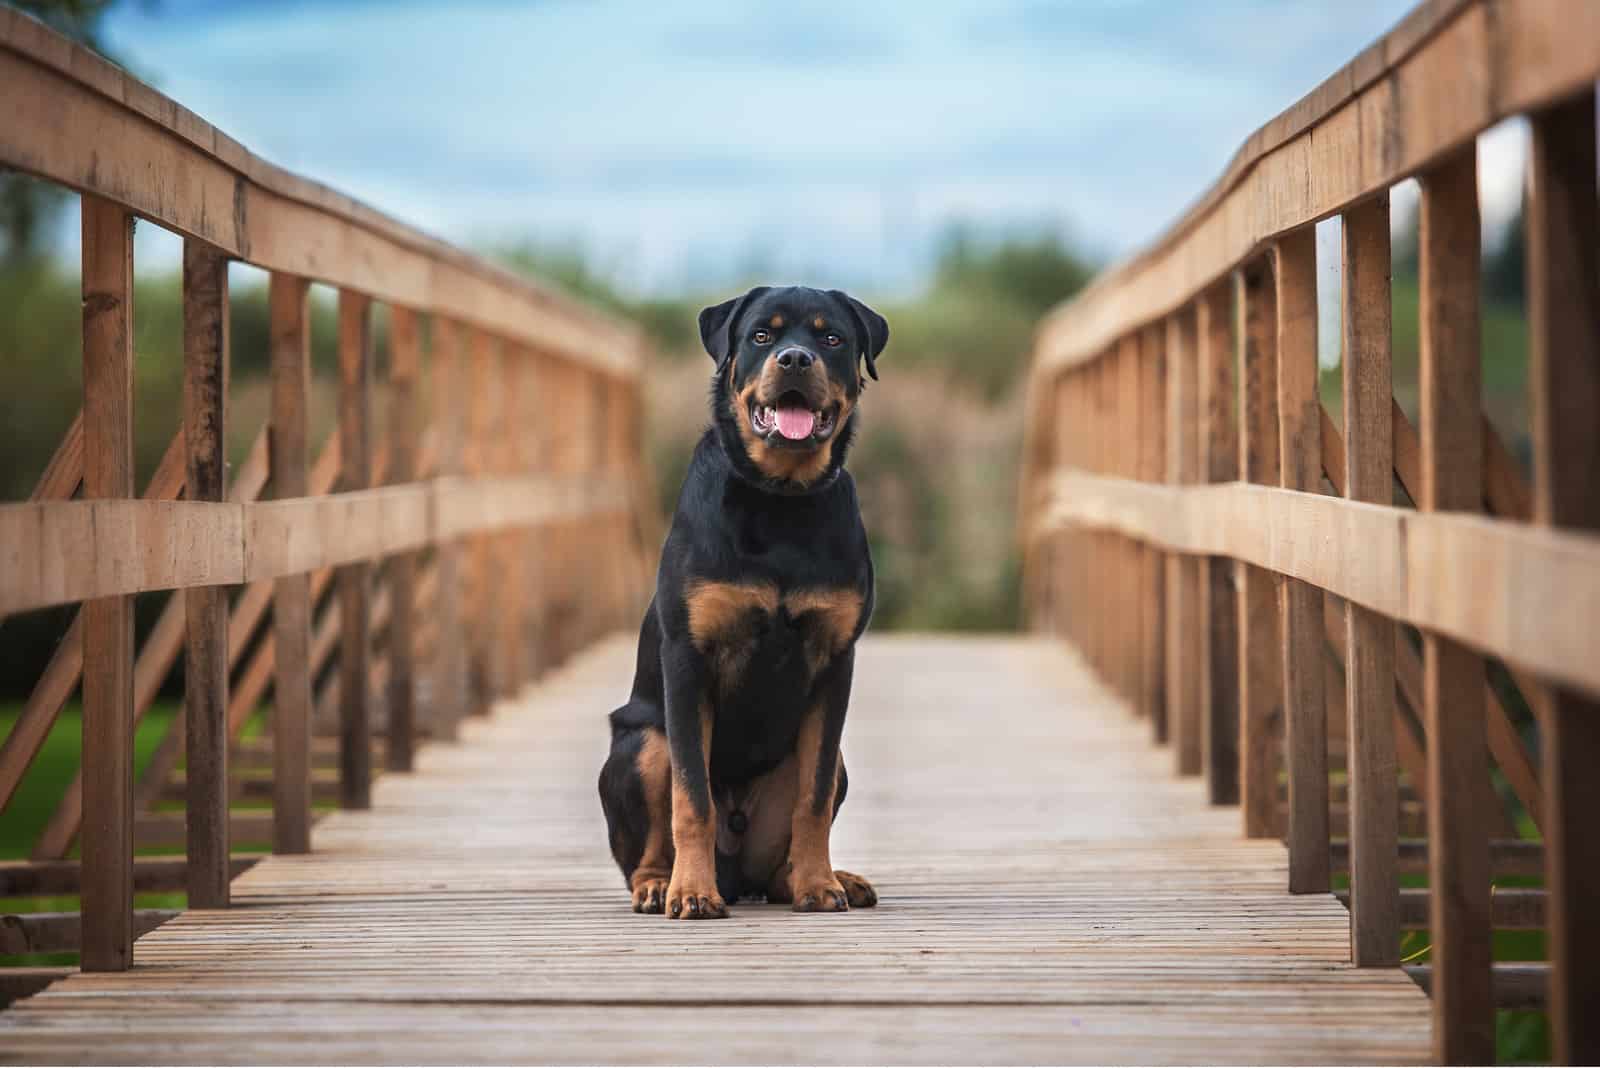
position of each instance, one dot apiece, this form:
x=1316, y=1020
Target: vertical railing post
x=1152, y=423
x=1260, y=663
x=1116, y=382
x=1300, y=603
x=1453, y=675
x=288, y=451
x=405, y=362
x=510, y=543
x=448, y=687
x=107, y=837
x=1182, y=569
x=205, y=674
x=1217, y=461
x=355, y=579
x=1564, y=373
x=1369, y=637
x=483, y=609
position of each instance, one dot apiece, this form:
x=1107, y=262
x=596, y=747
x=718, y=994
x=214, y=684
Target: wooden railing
x=1236, y=564
x=437, y=566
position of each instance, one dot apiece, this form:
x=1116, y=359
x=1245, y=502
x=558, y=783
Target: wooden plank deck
x=1050, y=893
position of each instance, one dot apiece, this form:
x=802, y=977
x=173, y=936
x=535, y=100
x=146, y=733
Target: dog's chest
x=760, y=630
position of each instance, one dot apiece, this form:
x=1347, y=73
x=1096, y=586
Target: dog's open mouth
x=792, y=419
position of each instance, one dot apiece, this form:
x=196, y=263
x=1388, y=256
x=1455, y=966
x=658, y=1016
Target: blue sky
x=691, y=144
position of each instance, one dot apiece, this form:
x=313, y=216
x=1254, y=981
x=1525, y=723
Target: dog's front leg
x=692, y=893
x=813, y=885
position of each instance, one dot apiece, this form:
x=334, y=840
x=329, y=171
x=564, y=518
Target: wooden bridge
x=1122, y=838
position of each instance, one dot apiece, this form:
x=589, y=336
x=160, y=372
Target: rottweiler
x=724, y=775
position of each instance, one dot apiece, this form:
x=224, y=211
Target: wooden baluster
x=1114, y=447
x=1369, y=637
x=511, y=463
x=1564, y=372
x=291, y=594
x=107, y=838
x=355, y=580
x=1453, y=675
x=1217, y=461
x=1300, y=603
x=1183, y=620
x=205, y=675
x=1152, y=423
x=405, y=362
x=1260, y=663
x=484, y=607
x=448, y=691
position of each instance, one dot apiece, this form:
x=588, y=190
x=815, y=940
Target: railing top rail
x=1449, y=71
x=81, y=121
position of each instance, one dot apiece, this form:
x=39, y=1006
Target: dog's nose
x=795, y=359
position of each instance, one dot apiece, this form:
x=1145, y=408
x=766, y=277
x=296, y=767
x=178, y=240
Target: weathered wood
x=354, y=580
x=205, y=689
x=1260, y=664
x=1511, y=910
x=19, y=983
x=1369, y=637
x=291, y=593
x=1218, y=637
x=53, y=878
x=1507, y=857
x=1450, y=72
x=1183, y=619
x=107, y=891
x=405, y=364
x=1300, y=603
x=1453, y=676
x=1563, y=235
x=251, y=828
x=540, y=938
x=1515, y=984
x=64, y=473
x=1149, y=417
x=61, y=932
x=108, y=134
x=447, y=369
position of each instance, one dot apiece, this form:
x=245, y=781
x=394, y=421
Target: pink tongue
x=796, y=423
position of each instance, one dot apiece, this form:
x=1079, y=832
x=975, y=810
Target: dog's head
x=790, y=365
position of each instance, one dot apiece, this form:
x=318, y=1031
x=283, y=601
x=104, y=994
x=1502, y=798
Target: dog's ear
x=874, y=329
x=717, y=323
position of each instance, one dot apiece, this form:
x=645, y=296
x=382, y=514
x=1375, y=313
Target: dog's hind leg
x=636, y=794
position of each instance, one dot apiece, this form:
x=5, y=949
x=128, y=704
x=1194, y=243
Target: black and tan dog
x=724, y=775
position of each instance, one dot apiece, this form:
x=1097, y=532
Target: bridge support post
x=1564, y=373
x=1217, y=461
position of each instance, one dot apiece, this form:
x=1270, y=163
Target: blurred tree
x=26, y=206
x=1035, y=272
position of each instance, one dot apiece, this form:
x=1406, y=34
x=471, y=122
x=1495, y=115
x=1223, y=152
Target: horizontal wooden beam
x=166, y=830
x=1486, y=582
x=1507, y=856
x=1512, y=909
x=1452, y=70
x=19, y=983
x=59, y=932
x=1517, y=984
x=56, y=878
x=57, y=552
x=104, y=132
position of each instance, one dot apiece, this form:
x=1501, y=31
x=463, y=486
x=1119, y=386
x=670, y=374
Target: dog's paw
x=688, y=900
x=820, y=895
x=857, y=890
x=650, y=895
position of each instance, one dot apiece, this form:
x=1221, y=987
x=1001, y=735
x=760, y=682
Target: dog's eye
x=762, y=337
x=833, y=341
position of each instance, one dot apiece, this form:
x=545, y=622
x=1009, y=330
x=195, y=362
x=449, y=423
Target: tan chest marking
x=829, y=618
x=715, y=608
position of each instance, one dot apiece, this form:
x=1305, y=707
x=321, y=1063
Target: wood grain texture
x=1369, y=637
x=1183, y=619
x=107, y=891
x=1102, y=924
x=354, y=580
x=1563, y=235
x=1453, y=681
x=405, y=365
x=1218, y=461
x=1260, y=663
x=205, y=674
x=289, y=447
x=1449, y=72
x=1300, y=603
x=106, y=133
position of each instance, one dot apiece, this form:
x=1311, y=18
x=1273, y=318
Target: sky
x=690, y=144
